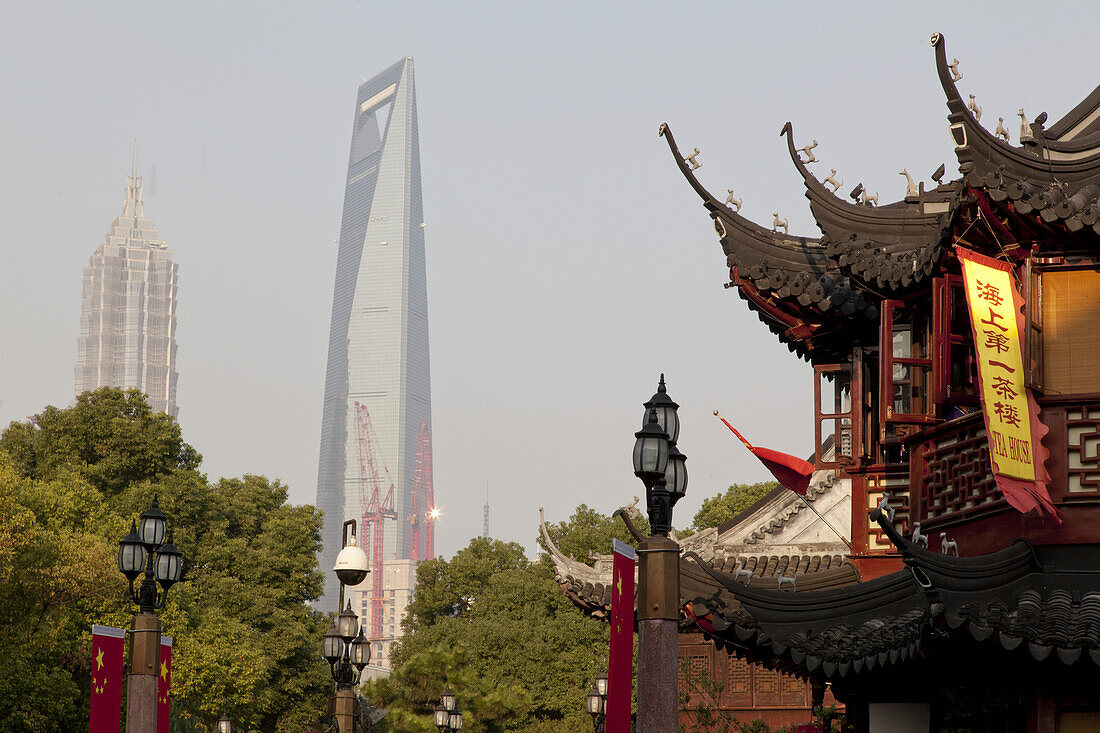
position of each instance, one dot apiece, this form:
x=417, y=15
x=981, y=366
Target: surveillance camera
x=351, y=564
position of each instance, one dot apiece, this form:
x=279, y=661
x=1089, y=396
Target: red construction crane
x=422, y=506
x=375, y=511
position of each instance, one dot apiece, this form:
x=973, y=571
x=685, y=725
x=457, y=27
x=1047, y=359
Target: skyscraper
x=375, y=460
x=128, y=313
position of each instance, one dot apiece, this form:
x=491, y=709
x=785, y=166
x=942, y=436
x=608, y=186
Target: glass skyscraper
x=376, y=423
x=128, y=312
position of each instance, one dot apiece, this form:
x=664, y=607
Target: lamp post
x=344, y=646
x=663, y=470
x=446, y=718
x=597, y=702
x=224, y=724
x=147, y=550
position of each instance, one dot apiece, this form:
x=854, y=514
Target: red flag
x=791, y=473
x=620, y=666
x=106, y=704
x=164, y=682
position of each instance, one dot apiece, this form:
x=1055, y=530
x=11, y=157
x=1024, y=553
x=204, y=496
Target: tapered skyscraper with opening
x=377, y=410
x=128, y=311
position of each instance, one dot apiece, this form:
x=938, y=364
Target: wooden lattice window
x=955, y=374
x=906, y=353
x=835, y=416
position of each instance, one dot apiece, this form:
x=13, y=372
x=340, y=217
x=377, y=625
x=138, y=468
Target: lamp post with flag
x=147, y=551
x=662, y=469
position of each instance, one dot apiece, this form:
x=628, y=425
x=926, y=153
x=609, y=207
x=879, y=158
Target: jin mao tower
x=128, y=312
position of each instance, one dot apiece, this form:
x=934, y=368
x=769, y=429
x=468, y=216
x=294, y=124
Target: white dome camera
x=351, y=564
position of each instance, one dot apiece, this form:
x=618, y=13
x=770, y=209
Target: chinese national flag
x=106, y=703
x=620, y=665
x=164, y=681
x=791, y=472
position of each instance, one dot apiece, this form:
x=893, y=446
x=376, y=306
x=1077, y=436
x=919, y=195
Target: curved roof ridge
x=792, y=243
x=980, y=151
x=566, y=566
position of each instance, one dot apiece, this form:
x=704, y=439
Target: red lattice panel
x=1082, y=444
x=898, y=488
x=951, y=474
x=738, y=692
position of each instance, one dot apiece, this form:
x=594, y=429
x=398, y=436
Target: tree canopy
x=717, y=510
x=246, y=641
x=498, y=629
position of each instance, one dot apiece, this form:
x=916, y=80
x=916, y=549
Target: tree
x=499, y=630
x=246, y=640
x=587, y=531
x=717, y=510
x=110, y=436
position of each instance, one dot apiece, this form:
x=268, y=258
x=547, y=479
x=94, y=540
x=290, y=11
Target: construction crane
x=422, y=507
x=376, y=510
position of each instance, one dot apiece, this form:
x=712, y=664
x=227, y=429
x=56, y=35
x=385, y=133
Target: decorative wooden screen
x=950, y=472
x=1083, y=450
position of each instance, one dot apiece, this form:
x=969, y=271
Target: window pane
x=910, y=392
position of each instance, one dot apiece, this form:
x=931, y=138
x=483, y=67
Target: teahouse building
x=971, y=613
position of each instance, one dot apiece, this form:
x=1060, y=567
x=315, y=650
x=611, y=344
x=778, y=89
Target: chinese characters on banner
x=106, y=703
x=621, y=656
x=1011, y=413
x=164, y=682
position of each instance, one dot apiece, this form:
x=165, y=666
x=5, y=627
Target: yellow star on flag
x=99, y=660
x=619, y=586
x=164, y=670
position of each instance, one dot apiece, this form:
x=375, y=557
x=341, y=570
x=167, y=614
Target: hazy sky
x=568, y=261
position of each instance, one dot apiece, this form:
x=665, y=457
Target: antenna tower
x=485, y=520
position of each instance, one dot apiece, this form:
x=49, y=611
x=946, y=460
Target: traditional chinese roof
x=821, y=294
x=1015, y=601
x=814, y=565
x=1053, y=173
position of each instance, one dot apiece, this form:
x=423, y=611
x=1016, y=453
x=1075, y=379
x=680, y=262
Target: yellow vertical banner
x=997, y=325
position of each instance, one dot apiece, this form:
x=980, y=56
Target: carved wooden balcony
x=951, y=483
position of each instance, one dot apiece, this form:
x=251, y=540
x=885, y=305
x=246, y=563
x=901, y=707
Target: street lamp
x=224, y=724
x=144, y=551
x=662, y=468
x=597, y=703
x=344, y=646
x=445, y=717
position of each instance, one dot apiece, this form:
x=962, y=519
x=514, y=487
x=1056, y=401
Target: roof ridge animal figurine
x=884, y=506
x=830, y=179
x=1001, y=132
x=973, y=107
x=911, y=188
x=735, y=203
x=779, y=223
x=918, y=538
x=1025, y=128
x=739, y=572
x=782, y=580
x=695, y=165
x=954, y=66
x=808, y=150
x=869, y=199
x=947, y=546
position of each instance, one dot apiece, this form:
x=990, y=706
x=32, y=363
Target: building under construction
x=376, y=454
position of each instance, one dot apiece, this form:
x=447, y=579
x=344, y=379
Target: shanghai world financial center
x=375, y=458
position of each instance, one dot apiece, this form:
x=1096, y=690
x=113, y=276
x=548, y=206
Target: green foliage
x=246, y=642
x=718, y=510
x=110, y=436
x=588, y=531
x=499, y=631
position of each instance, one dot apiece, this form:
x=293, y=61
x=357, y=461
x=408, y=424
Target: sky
x=569, y=263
